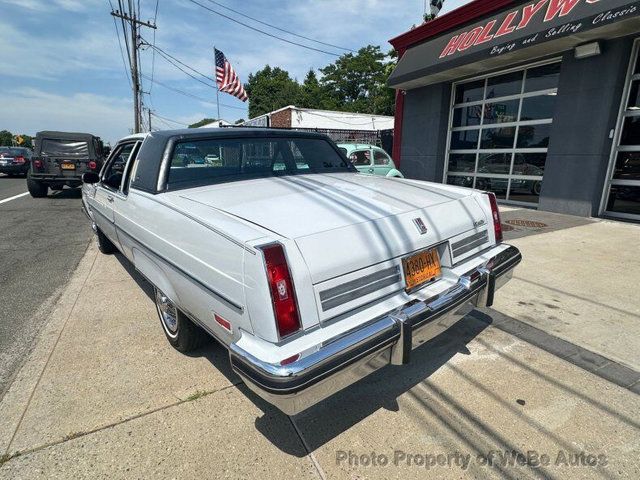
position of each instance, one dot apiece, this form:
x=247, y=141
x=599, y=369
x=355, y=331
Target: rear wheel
x=104, y=244
x=536, y=188
x=37, y=189
x=182, y=333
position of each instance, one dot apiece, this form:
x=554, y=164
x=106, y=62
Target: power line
x=262, y=31
x=174, y=61
x=131, y=16
x=153, y=52
x=154, y=114
x=191, y=95
x=124, y=63
x=124, y=32
x=278, y=28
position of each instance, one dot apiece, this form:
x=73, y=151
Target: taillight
x=37, y=163
x=19, y=160
x=285, y=307
x=92, y=165
x=495, y=213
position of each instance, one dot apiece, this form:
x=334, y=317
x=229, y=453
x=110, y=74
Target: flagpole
x=217, y=87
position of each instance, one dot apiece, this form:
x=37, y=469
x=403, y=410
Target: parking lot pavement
x=41, y=243
x=104, y=395
x=11, y=186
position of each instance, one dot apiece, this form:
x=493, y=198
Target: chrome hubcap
x=168, y=312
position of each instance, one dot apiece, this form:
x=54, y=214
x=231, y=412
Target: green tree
x=6, y=138
x=270, y=89
x=202, y=122
x=315, y=95
x=357, y=82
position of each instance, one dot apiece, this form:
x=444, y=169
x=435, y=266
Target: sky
x=61, y=66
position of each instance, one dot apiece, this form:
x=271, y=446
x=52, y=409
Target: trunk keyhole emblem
x=422, y=228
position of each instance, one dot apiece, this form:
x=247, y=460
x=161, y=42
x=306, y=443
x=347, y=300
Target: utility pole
x=149, y=113
x=134, y=24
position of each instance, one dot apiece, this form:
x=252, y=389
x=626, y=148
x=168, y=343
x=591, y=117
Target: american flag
x=226, y=77
x=436, y=6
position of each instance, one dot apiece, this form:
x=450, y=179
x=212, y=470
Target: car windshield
x=64, y=148
x=203, y=162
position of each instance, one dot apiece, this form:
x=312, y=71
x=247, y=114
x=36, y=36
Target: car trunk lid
x=304, y=205
x=345, y=222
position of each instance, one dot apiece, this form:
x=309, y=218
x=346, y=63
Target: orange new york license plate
x=421, y=267
x=68, y=166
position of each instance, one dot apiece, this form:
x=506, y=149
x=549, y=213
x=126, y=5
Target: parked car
x=60, y=158
x=496, y=164
x=15, y=160
x=370, y=159
x=311, y=275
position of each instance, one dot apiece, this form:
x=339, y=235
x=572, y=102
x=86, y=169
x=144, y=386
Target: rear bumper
x=388, y=339
x=75, y=180
x=13, y=169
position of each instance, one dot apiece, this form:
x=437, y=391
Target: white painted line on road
x=14, y=197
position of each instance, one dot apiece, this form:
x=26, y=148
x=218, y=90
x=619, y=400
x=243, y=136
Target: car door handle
x=109, y=198
x=371, y=170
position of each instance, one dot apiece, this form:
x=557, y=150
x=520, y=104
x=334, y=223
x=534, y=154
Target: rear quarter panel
x=198, y=268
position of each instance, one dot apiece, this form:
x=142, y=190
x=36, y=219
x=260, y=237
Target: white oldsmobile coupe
x=310, y=274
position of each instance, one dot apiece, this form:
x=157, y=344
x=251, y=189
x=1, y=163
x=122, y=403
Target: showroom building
x=538, y=101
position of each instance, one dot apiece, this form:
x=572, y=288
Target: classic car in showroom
x=311, y=274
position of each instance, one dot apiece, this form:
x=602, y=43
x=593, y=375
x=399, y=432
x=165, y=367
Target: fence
x=380, y=138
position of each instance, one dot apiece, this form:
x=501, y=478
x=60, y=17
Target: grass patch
x=196, y=395
x=4, y=458
x=72, y=435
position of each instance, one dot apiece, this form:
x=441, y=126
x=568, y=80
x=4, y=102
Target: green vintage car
x=370, y=159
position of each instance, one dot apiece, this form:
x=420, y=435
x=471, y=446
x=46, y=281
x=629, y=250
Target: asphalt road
x=41, y=243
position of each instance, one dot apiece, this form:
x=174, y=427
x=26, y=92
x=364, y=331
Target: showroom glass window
x=499, y=132
x=622, y=192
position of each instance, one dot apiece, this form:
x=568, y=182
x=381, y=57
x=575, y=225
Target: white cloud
x=108, y=117
x=44, y=5
x=26, y=54
x=61, y=46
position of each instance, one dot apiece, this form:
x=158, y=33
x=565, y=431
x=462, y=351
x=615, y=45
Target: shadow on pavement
x=380, y=390
x=213, y=351
x=65, y=193
x=524, y=222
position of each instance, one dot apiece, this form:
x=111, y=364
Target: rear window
x=15, y=152
x=64, y=148
x=202, y=162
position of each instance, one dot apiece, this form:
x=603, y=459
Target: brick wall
x=281, y=119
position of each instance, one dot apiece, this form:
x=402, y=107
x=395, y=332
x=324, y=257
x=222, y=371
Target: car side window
x=380, y=158
x=114, y=171
x=131, y=167
x=360, y=157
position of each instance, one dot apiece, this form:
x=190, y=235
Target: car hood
x=303, y=205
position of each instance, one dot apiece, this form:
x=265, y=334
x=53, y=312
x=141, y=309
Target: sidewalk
x=105, y=396
x=578, y=281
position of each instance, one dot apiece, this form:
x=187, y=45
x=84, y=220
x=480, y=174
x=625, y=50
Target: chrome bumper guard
x=388, y=339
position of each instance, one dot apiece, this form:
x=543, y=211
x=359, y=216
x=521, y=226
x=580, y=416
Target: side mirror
x=90, y=177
